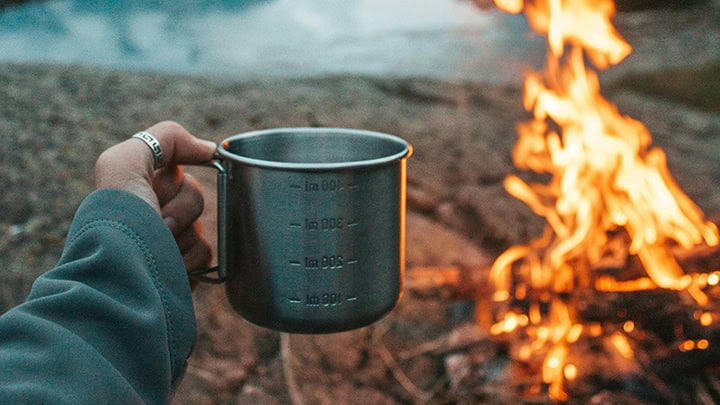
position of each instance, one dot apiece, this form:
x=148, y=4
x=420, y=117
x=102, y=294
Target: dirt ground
x=55, y=120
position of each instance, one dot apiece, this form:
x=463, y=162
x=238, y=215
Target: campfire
x=609, y=198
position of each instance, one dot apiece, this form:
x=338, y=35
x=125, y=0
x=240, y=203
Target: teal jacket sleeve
x=112, y=323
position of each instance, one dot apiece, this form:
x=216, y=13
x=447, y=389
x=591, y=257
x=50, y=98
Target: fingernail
x=209, y=144
x=170, y=223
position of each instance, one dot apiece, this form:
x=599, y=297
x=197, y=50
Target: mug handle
x=220, y=269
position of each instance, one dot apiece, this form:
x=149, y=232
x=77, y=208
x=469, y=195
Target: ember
x=605, y=179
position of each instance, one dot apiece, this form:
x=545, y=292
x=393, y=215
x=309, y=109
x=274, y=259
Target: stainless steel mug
x=311, y=226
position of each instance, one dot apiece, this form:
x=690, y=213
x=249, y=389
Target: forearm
x=113, y=322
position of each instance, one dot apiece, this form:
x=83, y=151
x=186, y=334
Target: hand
x=176, y=196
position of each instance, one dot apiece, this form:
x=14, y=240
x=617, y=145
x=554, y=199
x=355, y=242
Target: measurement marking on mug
x=296, y=186
x=328, y=262
x=324, y=185
x=352, y=261
x=295, y=225
x=354, y=223
x=322, y=224
x=322, y=300
x=295, y=263
x=325, y=299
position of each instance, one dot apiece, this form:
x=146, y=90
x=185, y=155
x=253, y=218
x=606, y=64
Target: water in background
x=445, y=39
x=433, y=38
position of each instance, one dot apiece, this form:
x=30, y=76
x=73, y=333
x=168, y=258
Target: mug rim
x=406, y=151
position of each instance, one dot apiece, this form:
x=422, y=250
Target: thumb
x=179, y=146
x=130, y=165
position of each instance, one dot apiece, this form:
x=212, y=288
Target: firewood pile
x=659, y=371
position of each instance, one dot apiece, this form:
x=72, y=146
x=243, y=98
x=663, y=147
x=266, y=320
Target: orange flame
x=605, y=175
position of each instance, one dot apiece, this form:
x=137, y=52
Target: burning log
x=669, y=336
x=467, y=283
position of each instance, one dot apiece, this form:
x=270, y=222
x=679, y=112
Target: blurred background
x=435, y=38
x=441, y=39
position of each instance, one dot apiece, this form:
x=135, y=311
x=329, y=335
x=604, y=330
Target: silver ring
x=154, y=145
